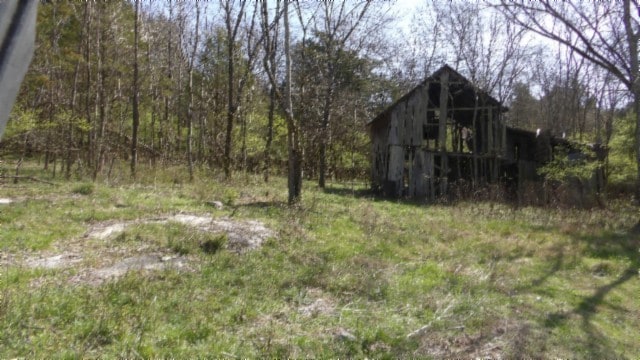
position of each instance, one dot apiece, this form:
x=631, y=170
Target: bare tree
x=604, y=33
x=235, y=15
x=293, y=128
x=270, y=30
x=136, y=91
x=492, y=51
x=294, y=178
x=424, y=43
x=190, y=91
x=334, y=28
x=232, y=22
x=100, y=93
x=563, y=81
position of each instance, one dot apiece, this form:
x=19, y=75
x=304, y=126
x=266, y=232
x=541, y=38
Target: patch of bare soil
x=491, y=344
x=104, y=230
x=53, y=262
x=317, y=303
x=242, y=235
x=143, y=262
x=94, y=258
x=319, y=306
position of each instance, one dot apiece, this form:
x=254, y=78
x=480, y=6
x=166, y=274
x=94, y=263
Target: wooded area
x=469, y=171
x=279, y=87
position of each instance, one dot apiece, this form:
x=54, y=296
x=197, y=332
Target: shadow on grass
x=359, y=191
x=266, y=206
x=558, y=261
x=353, y=192
x=605, y=246
x=263, y=204
x=365, y=193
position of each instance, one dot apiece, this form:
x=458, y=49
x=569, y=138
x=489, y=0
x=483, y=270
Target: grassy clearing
x=347, y=276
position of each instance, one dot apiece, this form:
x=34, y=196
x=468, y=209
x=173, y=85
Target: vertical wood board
x=393, y=128
x=490, y=131
x=444, y=98
x=396, y=163
x=418, y=187
x=401, y=115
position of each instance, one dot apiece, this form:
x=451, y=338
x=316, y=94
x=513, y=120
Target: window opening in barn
x=430, y=136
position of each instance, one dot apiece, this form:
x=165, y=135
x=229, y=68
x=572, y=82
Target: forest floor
x=163, y=267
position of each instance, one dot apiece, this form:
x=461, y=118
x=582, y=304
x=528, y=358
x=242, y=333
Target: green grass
x=479, y=279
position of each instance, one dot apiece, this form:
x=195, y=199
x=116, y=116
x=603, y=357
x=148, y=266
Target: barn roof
x=463, y=90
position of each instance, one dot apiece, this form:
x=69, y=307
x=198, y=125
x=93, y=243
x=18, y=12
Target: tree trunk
x=165, y=125
x=202, y=125
x=243, y=148
x=231, y=106
x=231, y=114
x=293, y=140
x=89, y=156
x=267, y=147
x=136, y=114
x=99, y=139
x=269, y=62
x=191, y=105
x=69, y=140
x=324, y=136
x=636, y=108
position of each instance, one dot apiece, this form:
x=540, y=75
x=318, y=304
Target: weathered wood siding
x=421, y=181
x=395, y=174
x=415, y=117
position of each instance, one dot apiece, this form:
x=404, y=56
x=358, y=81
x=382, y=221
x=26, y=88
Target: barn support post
x=442, y=122
x=442, y=131
x=503, y=151
x=491, y=145
x=419, y=174
x=429, y=174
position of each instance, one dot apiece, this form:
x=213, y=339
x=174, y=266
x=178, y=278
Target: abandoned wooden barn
x=447, y=131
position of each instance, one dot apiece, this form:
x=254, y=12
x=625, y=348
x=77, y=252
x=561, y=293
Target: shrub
x=622, y=169
x=213, y=244
x=84, y=189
